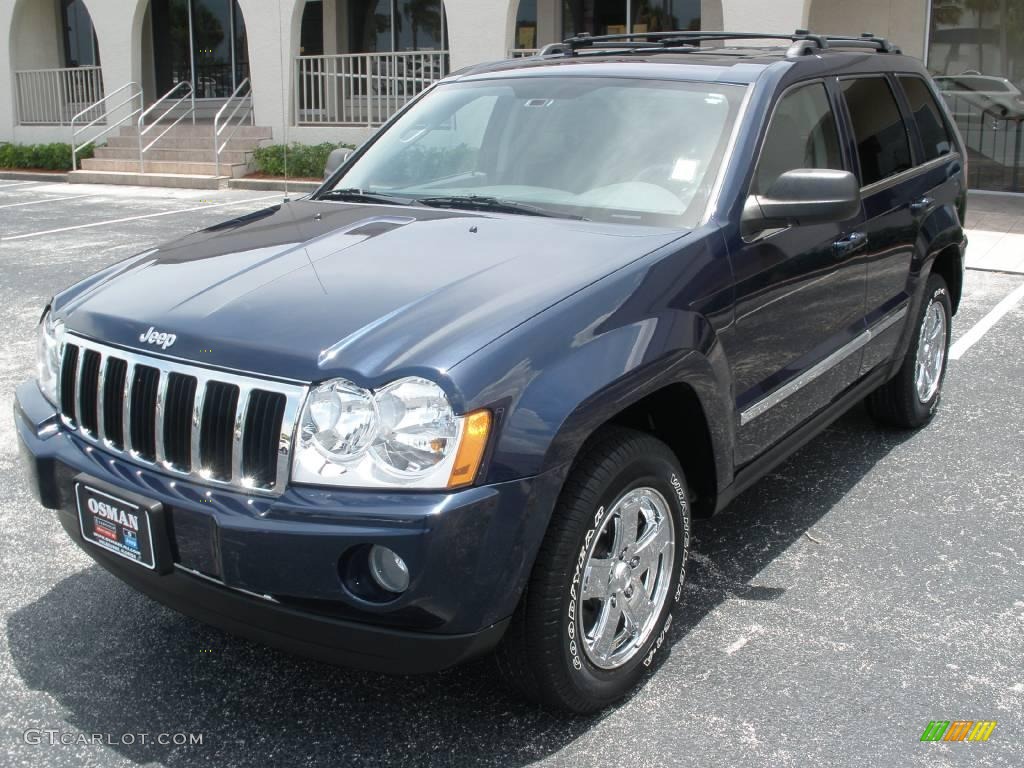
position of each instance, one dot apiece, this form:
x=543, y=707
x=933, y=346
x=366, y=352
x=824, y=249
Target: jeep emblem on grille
x=162, y=340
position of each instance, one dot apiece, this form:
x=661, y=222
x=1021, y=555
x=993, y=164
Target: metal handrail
x=189, y=93
x=218, y=129
x=134, y=92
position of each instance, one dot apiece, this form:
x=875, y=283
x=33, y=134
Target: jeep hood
x=309, y=290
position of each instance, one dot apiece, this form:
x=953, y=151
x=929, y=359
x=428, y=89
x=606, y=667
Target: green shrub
x=40, y=157
x=303, y=160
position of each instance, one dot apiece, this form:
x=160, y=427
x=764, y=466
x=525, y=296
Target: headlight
x=49, y=342
x=404, y=435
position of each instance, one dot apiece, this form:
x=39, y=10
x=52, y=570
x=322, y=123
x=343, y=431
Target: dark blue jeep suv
x=468, y=395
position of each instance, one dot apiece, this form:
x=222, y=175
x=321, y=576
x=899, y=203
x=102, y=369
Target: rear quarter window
x=882, y=142
x=930, y=121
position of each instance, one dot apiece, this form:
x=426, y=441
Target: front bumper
x=268, y=568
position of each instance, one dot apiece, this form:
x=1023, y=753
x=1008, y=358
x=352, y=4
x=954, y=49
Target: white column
x=480, y=30
x=7, y=105
x=119, y=32
x=549, y=22
x=777, y=16
x=711, y=14
x=274, y=29
x=331, y=27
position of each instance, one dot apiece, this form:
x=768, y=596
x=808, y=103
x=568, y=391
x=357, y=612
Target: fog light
x=388, y=570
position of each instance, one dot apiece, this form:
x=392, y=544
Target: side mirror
x=335, y=160
x=801, y=197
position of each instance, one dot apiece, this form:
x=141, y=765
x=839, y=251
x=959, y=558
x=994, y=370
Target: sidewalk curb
x=9, y=175
x=273, y=185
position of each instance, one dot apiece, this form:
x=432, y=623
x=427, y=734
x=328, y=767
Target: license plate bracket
x=120, y=522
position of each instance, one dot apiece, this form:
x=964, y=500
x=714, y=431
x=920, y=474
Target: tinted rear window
x=930, y=123
x=882, y=141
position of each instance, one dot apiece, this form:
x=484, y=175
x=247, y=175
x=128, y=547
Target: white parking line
x=984, y=325
x=18, y=184
x=50, y=200
x=137, y=218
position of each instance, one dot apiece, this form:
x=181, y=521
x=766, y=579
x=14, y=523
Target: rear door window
x=881, y=135
x=930, y=122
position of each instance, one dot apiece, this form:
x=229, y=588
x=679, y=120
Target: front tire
x=599, y=602
x=911, y=398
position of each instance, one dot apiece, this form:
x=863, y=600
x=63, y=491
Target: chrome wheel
x=626, y=577
x=931, y=352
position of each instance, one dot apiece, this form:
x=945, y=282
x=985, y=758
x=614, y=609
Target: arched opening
x=202, y=42
x=55, y=59
x=540, y=22
x=360, y=60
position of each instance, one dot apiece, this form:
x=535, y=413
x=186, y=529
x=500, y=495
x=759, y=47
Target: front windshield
x=613, y=150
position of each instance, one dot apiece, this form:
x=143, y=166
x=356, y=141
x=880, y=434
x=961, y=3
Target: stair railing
x=223, y=131
x=181, y=93
x=129, y=93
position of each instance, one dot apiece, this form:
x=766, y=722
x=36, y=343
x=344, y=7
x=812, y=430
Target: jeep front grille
x=211, y=426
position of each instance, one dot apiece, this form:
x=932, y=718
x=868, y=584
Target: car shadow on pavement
x=117, y=663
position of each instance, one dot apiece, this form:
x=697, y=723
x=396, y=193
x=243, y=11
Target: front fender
x=557, y=378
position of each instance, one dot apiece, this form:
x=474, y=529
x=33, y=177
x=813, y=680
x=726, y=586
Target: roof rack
x=804, y=42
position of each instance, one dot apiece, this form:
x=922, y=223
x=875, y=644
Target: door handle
x=921, y=206
x=849, y=245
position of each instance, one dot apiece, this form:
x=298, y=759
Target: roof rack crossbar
x=803, y=41
x=585, y=40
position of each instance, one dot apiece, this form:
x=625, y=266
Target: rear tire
x=911, y=398
x=599, y=601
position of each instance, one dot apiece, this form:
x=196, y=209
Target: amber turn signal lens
x=471, y=449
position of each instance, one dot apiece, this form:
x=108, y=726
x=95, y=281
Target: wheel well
x=675, y=416
x=947, y=264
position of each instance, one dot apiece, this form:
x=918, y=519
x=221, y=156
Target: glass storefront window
x=418, y=25
x=80, y=47
x=526, y=25
x=613, y=17
x=207, y=33
x=379, y=26
x=976, y=54
x=664, y=15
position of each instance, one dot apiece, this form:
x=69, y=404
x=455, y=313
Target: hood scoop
x=378, y=225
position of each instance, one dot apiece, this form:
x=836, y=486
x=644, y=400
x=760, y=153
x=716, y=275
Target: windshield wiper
x=483, y=203
x=353, y=195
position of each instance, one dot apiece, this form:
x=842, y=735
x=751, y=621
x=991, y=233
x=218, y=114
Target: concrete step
x=234, y=170
x=187, y=142
x=203, y=131
x=228, y=156
x=178, y=180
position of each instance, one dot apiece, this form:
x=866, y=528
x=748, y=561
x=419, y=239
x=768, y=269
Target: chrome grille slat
x=101, y=387
x=197, y=420
x=238, y=433
x=126, y=419
x=242, y=456
x=77, y=415
x=284, y=450
x=158, y=415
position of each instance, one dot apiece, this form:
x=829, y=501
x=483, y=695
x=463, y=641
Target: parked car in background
x=969, y=94
x=469, y=394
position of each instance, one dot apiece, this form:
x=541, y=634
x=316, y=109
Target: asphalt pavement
x=871, y=584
